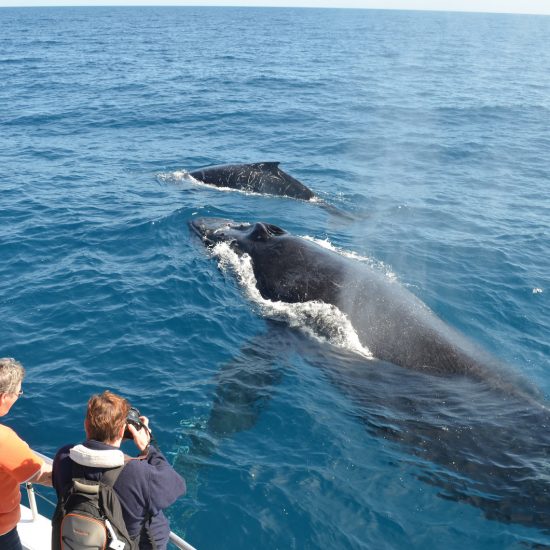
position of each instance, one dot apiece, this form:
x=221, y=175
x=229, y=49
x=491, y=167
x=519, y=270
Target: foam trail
x=322, y=321
x=179, y=177
x=375, y=264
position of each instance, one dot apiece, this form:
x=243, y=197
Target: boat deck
x=35, y=533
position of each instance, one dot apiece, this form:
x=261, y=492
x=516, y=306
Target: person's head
x=106, y=417
x=11, y=377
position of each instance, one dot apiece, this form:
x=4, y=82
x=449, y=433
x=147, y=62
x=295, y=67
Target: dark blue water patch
x=26, y=61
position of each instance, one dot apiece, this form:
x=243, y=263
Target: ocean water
x=430, y=130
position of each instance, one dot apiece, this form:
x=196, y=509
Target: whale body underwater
x=261, y=177
x=393, y=323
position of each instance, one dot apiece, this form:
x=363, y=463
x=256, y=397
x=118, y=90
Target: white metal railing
x=174, y=539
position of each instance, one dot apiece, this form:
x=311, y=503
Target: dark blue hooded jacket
x=145, y=487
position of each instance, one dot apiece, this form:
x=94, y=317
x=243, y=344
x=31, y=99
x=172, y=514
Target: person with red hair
x=146, y=485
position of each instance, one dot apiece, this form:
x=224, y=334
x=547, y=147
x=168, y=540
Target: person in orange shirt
x=18, y=463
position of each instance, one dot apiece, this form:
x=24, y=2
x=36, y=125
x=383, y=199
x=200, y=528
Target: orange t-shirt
x=17, y=465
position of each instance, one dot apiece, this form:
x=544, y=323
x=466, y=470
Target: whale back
x=291, y=269
x=393, y=323
x=261, y=177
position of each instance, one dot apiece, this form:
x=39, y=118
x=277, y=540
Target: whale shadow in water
x=265, y=178
x=490, y=449
x=476, y=445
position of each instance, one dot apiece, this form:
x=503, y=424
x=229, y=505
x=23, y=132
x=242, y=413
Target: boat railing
x=174, y=539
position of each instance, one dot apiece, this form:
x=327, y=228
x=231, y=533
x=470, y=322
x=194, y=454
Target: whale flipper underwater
x=261, y=177
x=389, y=320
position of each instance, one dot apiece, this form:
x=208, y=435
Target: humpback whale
x=486, y=430
x=390, y=321
x=260, y=177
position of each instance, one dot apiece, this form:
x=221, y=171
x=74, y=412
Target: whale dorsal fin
x=266, y=166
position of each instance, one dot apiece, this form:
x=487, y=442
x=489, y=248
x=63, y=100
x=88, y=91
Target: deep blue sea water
x=430, y=129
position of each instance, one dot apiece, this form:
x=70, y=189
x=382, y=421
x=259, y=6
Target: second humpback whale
x=259, y=177
x=393, y=323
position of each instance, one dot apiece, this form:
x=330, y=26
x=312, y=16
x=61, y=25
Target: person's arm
x=18, y=460
x=43, y=476
x=165, y=484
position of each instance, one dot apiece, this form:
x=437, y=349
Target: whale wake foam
x=324, y=322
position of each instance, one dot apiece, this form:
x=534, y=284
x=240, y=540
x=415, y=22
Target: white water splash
x=176, y=177
x=324, y=322
x=180, y=176
x=375, y=264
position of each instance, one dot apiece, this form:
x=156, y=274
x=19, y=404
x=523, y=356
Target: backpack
x=89, y=517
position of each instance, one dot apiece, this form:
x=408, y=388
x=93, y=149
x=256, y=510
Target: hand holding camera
x=137, y=428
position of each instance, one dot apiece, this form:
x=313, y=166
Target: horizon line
x=374, y=5
x=121, y=4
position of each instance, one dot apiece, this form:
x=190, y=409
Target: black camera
x=133, y=419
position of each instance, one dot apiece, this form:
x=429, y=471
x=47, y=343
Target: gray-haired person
x=18, y=463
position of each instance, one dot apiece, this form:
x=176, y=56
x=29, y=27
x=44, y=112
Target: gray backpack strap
x=109, y=477
x=110, y=504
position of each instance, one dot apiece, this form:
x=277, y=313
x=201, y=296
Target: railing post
x=180, y=543
x=32, y=500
